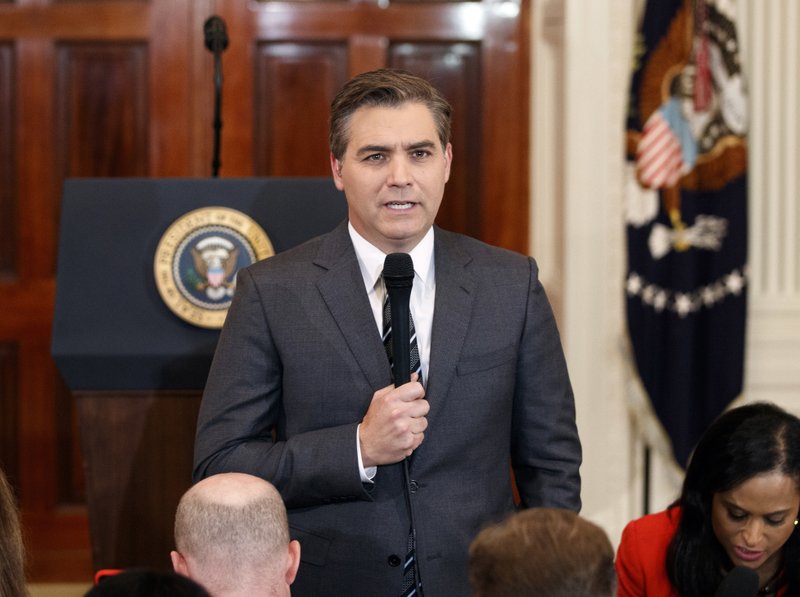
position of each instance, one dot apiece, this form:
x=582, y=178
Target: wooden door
x=118, y=88
x=286, y=60
x=87, y=88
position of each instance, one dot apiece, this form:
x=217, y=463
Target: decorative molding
x=9, y=411
x=772, y=66
x=8, y=188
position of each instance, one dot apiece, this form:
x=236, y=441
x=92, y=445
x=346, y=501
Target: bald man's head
x=229, y=529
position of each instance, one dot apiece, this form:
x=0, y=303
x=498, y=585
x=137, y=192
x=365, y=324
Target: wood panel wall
x=87, y=89
x=123, y=88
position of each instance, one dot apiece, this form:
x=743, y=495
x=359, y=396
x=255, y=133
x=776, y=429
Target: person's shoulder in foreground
x=143, y=582
x=642, y=554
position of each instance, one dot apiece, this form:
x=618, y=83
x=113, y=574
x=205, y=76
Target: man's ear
x=448, y=156
x=336, y=170
x=294, y=561
x=179, y=563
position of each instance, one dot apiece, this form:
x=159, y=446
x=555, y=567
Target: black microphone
x=739, y=582
x=398, y=276
x=216, y=34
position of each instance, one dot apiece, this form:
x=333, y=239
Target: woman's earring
x=795, y=522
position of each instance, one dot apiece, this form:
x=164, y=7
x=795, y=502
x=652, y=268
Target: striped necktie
x=415, y=364
x=409, y=586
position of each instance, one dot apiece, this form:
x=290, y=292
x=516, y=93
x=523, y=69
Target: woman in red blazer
x=738, y=507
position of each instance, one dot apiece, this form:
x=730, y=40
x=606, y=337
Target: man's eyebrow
x=385, y=148
x=372, y=149
x=420, y=145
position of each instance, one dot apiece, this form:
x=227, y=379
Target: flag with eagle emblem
x=686, y=210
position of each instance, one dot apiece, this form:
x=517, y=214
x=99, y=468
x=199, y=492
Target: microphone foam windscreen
x=739, y=582
x=398, y=265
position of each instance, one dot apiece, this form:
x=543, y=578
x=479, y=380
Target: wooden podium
x=135, y=368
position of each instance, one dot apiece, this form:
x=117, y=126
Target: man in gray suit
x=300, y=391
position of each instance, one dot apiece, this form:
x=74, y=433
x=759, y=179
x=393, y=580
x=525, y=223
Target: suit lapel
x=342, y=289
x=455, y=291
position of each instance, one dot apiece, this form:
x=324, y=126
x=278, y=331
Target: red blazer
x=642, y=556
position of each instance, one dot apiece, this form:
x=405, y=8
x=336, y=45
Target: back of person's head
x=386, y=88
x=542, y=552
x=146, y=583
x=232, y=536
x=742, y=443
x=12, y=549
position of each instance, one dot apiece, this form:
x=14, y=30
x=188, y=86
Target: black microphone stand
x=216, y=41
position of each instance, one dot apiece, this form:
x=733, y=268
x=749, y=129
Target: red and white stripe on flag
x=659, y=159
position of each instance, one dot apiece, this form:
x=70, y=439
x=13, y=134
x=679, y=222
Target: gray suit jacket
x=295, y=369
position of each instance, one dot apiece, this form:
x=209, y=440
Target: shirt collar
x=371, y=258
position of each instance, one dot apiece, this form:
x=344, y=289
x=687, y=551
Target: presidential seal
x=197, y=260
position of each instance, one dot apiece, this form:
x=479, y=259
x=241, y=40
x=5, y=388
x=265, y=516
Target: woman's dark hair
x=12, y=549
x=742, y=443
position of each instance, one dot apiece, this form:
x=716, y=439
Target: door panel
x=102, y=115
x=293, y=84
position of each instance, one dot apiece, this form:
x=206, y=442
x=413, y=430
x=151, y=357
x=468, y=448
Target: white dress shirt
x=423, y=294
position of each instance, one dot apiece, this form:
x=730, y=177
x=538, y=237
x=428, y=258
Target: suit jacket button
x=394, y=561
x=413, y=486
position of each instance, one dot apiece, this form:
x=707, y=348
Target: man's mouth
x=399, y=206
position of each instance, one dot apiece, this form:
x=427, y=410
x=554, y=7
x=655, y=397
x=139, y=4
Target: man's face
x=393, y=174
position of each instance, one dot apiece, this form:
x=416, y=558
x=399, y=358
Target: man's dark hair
x=390, y=88
x=542, y=552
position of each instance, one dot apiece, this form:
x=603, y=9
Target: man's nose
x=399, y=172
